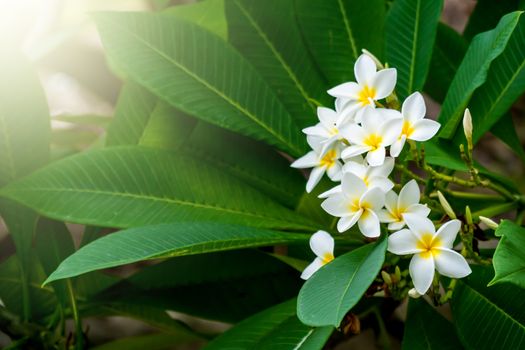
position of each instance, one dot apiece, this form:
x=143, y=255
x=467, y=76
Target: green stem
x=79, y=344
x=26, y=299
x=495, y=210
x=472, y=195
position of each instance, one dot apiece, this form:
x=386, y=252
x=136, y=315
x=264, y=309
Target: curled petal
x=384, y=82
x=315, y=177
x=422, y=272
x=451, y=264
x=395, y=226
x=364, y=70
x=369, y=224
x=346, y=222
x=312, y=268
x=354, y=150
x=447, y=233
x=330, y=192
x=322, y=244
x=424, y=130
x=414, y=108
x=403, y=242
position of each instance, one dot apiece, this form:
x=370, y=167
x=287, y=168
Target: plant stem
x=79, y=344
x=26, y=300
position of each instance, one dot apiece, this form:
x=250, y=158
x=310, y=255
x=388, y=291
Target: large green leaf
x=473, y=72
x=154, y=341
x=337, y=30
x=208, y=14
x=325, y=300
x=213, y=285
x=509, y=258
x=505, y=130
x=165, y=240
x=134, y=186
x=199, y=73
x=410, y=35
x=488, y=317
x=24, y=118
x=486, y=15
x=274, y=328
x=427, y=329
x=266, y=33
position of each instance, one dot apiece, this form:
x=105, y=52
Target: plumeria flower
x=397, y=206
x=356, y=203
x=329, y=163
x=432, y=250
x=322, y=244
x=371, y=86
x=373, y=176
x=328, y=127
x=415, y=127
x=375, y=133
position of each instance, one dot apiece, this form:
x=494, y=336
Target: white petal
x=326, y=116
x=376, y=157
x=447, y=233
x=369, y=224
x=315, y=142
x=419, y=225
x=354, y=150
x=394, y=226
x=403, y=242
x=353, y=186
x=385, y=216
x=387, y=113
x=391, y=201
x=335, y=172
x=364, y=70
x=451, y=264
x=312, y=268
x=348, y=90
x=355, y=168
x=422, y=272
x=382, y=170
x=390, y=131
x=418, y=209
x=424, y=130
x=347, y=222
x=317, y=130
x=322, y=244
x=315, y=177
x=384, y=82
x=371, y=120
x=397, y=146
x=354, y=134
x=332, y=191
x=414, y=108
x=336, y=205
x=380, y=182
x=408, y=195
x=348, y=113
x=309, y=160
x=373, y=199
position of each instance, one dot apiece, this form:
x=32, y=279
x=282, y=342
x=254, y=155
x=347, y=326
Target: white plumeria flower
x=415, y=127
x=371, y=86
x=376, y=132
x=432, y=250
x=328, y=127
x=329, y=163
x=322, y=244
x=356, y=203
x=397, y=206
x=376, y=176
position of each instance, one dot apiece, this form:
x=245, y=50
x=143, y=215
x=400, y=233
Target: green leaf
x=509, y=258
x=24, y=118
x=266, y=33
x=427, y=329
x=208, y=14
x=166, y=240
x=274, y=328
x=473, y=72
x=410, y=34
x=198, y=73
x=325, y=300
x=449, y=50
x=212, y=286
x=155, y=341
x=488, y=317
x=337, y=30
x=486, y=15
x=134, y=186
x=505, y=130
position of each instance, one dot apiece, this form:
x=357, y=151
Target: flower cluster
x=350, y=145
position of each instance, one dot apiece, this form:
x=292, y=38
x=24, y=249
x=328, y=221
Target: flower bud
x=386, y=277
x=468, y=215
x=413, y=293
x=398, y=273
x=446, y=206
x=489, y=222
x=467, y=125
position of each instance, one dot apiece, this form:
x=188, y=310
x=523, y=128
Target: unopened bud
x=386, y=277
x=468, y=215
x=467, y=126
x=489, y=222
x=397, y=273
x=446, y=206
x=374, y=58
x=413, y=293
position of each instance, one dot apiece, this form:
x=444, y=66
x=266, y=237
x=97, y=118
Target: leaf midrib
x=346, y=22
x=414, y=47
x=219, y=93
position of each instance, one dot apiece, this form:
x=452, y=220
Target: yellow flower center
x=354, y=206
x=429, y=244
x=329, y=158
x=373, y=141
x=327, y=258
x=397, y=214
x=408, y=129
x=366, y=95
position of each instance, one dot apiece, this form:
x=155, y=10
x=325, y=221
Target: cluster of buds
x=350, y=145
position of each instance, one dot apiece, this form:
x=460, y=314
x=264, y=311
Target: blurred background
x=62, y=42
